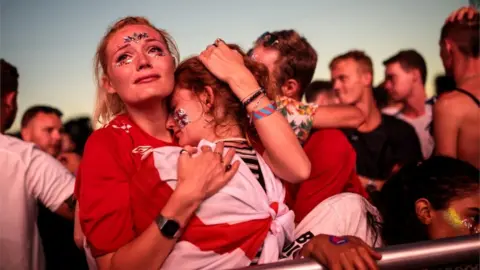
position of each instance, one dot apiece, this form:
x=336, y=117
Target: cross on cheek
x=181, y=118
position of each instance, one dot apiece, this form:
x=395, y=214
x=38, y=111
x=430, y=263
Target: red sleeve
x=333, y=170
x=257, y=145
x=105, y=212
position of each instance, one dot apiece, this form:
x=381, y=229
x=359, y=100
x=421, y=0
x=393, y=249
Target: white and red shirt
x=126, y=177
x=232, y=225
x=27, y=175
x=339, y=215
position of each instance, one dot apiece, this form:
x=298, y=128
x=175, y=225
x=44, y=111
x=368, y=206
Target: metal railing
x=408, y=256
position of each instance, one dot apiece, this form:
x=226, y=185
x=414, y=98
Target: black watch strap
x=168, y=227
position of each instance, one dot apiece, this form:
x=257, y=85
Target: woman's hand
x=228, y=65
x=461, y=13
x=201, y=176
x=346, y=252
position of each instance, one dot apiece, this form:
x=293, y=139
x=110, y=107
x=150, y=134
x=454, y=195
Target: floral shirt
x=298, y=114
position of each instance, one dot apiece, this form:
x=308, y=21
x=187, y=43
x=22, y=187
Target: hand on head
x=221, y=60
x=228, y=65
x=462, y=13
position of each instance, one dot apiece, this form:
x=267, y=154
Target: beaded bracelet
x=265, y=111
x=252, y=97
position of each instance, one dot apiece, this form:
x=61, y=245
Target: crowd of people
x=230, y=159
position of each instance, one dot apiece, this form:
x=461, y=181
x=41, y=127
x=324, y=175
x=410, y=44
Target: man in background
x=28, y=175
x=383, y=143
x=457, y=113
x=42, y=125
x=291, y=61
x=321, y=93
x=405, y=78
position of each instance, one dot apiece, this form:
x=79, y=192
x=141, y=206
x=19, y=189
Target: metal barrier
x=408, y=256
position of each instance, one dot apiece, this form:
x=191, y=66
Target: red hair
x=193, y=75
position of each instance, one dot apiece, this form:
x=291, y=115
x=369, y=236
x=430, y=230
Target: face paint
x=454, y=219
x=337, y=240
x=470, y=225
x=124, y=62
x=181, y=118
x=154, y=51
x=136, y=37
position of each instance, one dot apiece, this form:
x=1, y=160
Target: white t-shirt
x=422, y=128
x=339, y=215
x=27, y=174
x=391, y=110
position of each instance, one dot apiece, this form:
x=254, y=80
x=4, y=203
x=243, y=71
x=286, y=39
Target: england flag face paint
x=180, y=117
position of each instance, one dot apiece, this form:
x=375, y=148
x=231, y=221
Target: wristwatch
x=168, y=227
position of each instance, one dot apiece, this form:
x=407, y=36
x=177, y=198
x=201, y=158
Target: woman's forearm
x=283, y=152
x=151, y=248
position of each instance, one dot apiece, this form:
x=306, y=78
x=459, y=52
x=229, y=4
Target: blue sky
x=52, y=42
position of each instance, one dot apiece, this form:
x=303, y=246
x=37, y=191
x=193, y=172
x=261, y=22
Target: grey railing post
x=408, y=256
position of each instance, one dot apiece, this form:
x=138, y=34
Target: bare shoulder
x=454, y=103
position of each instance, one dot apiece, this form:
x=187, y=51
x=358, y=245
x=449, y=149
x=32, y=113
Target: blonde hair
x=109, y=105
x=361, y=58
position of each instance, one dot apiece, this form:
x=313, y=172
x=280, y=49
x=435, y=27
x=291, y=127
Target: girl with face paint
x=130, y=218
x=205, y=110
x=435, y=199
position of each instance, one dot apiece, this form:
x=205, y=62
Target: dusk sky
x=52, y=42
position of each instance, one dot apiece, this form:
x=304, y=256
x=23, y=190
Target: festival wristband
x=337, y=240
x=252, y=97
x=264, y=112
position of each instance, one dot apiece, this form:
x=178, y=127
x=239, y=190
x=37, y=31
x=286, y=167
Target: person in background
x=434, y=199
x=28, y=175
x=76, y=133
x=78, y=130
x=385, y=102
x=383, y=143
x=42, y=125
x=291, y=61
x=405, y=78
x=457, y=113
x=443, y=84
x=440, y=199
x=321, y=93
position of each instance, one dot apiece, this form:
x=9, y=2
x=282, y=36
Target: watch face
x=170, y=228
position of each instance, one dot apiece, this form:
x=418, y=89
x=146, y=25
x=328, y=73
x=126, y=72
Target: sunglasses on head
x=269, y=39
